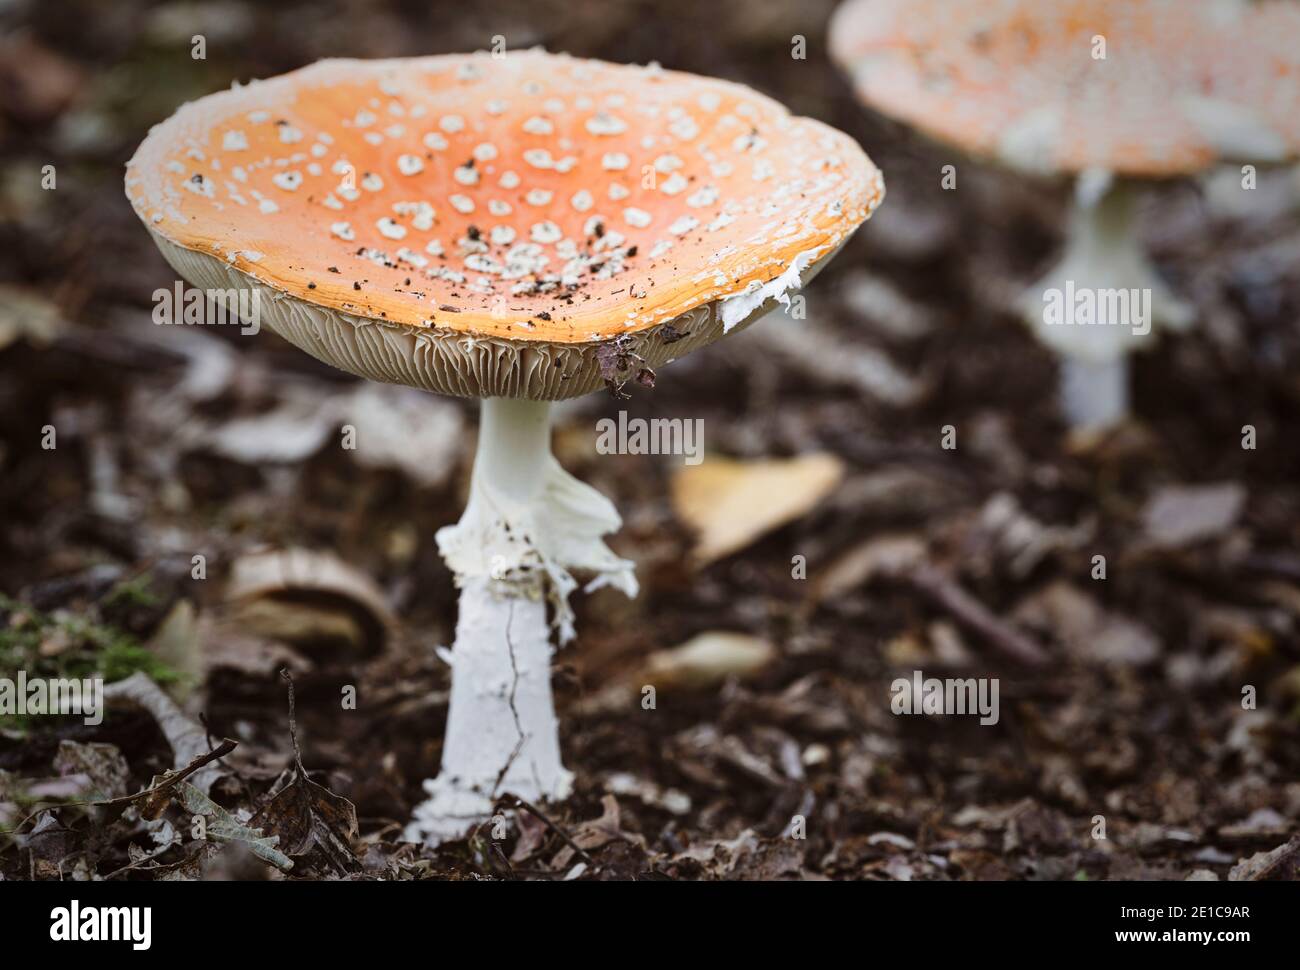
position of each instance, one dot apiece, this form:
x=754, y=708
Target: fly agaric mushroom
x=519, y=229
x=1113, y=91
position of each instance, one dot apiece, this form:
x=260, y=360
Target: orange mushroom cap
x=536, y=201
x=1183, y=82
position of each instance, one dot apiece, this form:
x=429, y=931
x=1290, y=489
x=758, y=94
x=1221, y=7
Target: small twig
x=945, y=592
x=143, y=859
x=207, y=728
x=226, y=746
x=537, y=813
x=170, y=781
x=293, y=722
x=1282, y=564
x=495, y=850
x=501, y=775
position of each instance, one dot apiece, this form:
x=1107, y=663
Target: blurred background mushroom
x=1110, y=92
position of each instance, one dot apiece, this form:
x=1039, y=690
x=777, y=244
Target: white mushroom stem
x=1102, y=301
x=1094, y=393
x=527, y=524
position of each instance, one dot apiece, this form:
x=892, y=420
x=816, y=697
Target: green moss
x=131, y=592
x=77, y=647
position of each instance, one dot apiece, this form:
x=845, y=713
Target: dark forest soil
x=1168, y=715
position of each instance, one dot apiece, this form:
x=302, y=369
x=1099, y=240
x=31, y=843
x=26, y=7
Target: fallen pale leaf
x=177, y=643
x=389, y=427
x=1180, y=515
x=709, y=658
x=1087, y=629
x=26, y=314
x=398, y=427
x=880, y=556
x=729, y=504
x=290, y=433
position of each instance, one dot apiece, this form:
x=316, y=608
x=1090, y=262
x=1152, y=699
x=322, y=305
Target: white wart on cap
x=480, y=225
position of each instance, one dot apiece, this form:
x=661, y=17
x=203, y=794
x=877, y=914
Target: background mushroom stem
x=1094, y=393
x=527, y=523
x=1102, y=301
